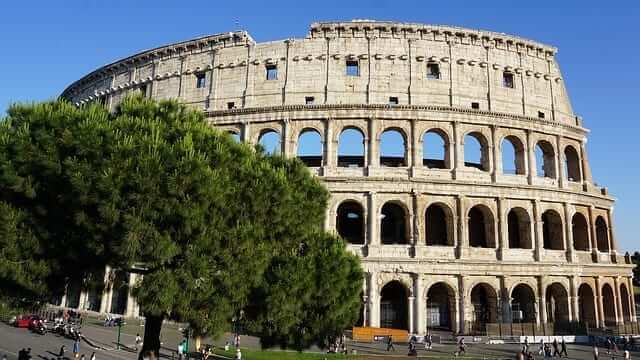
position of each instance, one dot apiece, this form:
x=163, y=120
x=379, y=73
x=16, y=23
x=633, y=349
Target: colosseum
x=457, y=168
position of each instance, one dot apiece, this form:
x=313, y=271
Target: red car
x=26, y=321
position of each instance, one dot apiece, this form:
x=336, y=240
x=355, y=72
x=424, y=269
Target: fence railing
x=549, y=329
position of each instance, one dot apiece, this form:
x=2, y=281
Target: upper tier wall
x=392, y=63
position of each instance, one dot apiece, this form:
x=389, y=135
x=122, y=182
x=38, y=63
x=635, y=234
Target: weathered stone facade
x=447, y=242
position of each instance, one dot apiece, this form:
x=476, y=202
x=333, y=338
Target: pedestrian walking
x=595, y=352
x=62, y=350
x=547, y=351
x=541, y=348
x=609, y=345
x=428, y=342
x=138, y=341
x=390, y=344
x=180, y=350
x=555, y=348
x=93, y=356
x=462, y=347
x=238, y=354
x=563, y=348
x=76, y=348
x=627, y=355
x=526, y=344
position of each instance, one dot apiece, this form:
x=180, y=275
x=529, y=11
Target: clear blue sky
x=48, y=44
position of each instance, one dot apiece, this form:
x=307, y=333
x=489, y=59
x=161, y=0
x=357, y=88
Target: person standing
x=390, y=344
x=555, y=348
x=238, y=354
x=462, y=347
x=595, y=352
x=541, y=348
x=526, y=344
x=428, y=342
x=76, y=348
x=138, y=341
x=563, y=348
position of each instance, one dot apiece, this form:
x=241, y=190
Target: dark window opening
x=201, y=80
x=507, y=80
x=552, y=231
x=518, y=227
x=602, y=234
x=523, y=304
x=393, y=100
x=350, y=222
x=231, y=105
x=143, y=90
x=540, y=115
x=437, y=231
x=480, y=227
x=433, y=71
x=580, y=232
x=102, y=100
x=393, y=225
x=393, y=306
x=272, y=72
x=475, y=105
x=572, y=164
x=353, y=68
x=309, y=100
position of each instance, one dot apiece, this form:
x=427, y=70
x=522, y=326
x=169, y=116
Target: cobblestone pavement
x=47, y=347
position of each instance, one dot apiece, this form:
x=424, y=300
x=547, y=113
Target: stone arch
x=394, y=306
x=513, y=155
x=481, y=227
x=235, y=135
x=435, y=149
x=546, y=159
x=310, y=147
x=519, y=229
x=394, y=223
x=602, y=234
x=609, y=305
x=572, y=164
x=626, y=306
x=587, y=305
x=476, y=151
x=484, y=305
x=523, y=304
x=270, y=141
x=552, y=230
x=580, y=230
x=441, y=300
x=350, y=222
x=557, y=301
x=351, y=147
x=439, y=225
x=393, y=147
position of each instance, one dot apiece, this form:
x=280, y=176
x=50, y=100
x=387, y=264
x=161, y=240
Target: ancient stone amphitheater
x=457, y=168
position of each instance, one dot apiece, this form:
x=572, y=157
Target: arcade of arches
x=461, y=304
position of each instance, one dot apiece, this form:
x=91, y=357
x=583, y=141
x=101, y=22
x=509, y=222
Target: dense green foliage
x=154, y=190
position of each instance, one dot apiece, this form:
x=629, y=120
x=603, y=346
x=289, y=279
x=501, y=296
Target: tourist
x=462, y=347
x=62, y=350
x=138, y=341
x=541, y=348
x=82, y=357
x=93, y=356
x=609, y=345
x=555, y=348
x=547, y=351
x=526, y=344
x=595, y=352
x=563, y=348
x=627, y=355
x=149, y=355
x=180, y=349
x=238, y=354
x=428, y=343
x=390, y=344
x=76, y=348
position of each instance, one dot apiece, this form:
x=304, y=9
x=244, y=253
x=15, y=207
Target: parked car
x=24, y=321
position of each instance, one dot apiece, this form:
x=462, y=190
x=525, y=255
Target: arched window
x=351, y=148
x=580, y=232
x=513, y=156
x=626, y=305
x=484, y=302
x=435, y=152
x=310, y=148
x=552, y=231
x=392, y=149
x=481, y=228
x=394, y=224
x=394, y=312
x=437, y=225
x=523, y=308
x=587, y=305
x=557, y=301
x=350, y=222
x=476, y=154
x=609, y=305
x=519, y=228
x=235, y=136
x=545, y=160
x=270, y=142
x=602, y=234
x=572, y=164
x=440, y=306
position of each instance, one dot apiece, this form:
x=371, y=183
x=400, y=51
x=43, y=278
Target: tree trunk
x=152, y=328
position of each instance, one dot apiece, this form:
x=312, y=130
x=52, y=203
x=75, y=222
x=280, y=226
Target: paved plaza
x=47, y=347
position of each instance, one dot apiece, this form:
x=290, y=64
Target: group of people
x=338, y=345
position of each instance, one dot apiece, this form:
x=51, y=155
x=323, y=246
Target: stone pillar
x=495, y=155
x=586, y=171
x=421, y=306
x=365, y=310
x=84, y=299
x=562, y=181
x=458, y=150
x=415, y=222
x=503, y=236
x=619, y=308
x=374, y=300
x=105, y=300
x=538, y=230
x=568, y=236
x=373, y=155
x=286, y=147
x=632, y=300
x=599, y=305
x=372, y=211
x=411, y=301
x=594, y=234
x=574, y=303
x=458, y=306
x=330, y=148
x=131, y=301
x=246, y=132
x=613, y=243
x=461, y=311
x=462, y=241
x=413, y=147
x=542, y=293
x=531, y=152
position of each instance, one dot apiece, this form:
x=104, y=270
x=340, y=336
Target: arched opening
x=270, y=142
x=393, y=306
x=557, y=301
x=394, y=224
x=523, y=308
x=74, y=287
x=310, y=148
x=587, y=305
x=235, y=136
x=609, y=305
x=481, y=227
x=513, y=156
x=476, y=154
x=602, y=234
x=440, y=307
x=626, y=306
x=392, y=149
x=519, y=229
x=437, y=226
x=545, y=160
x=552, y=232
x=572, y=164
x=435, y=152
x=120, y=293
x=580, y=231
x=484, y=302
x=350, y=222
x=351, y=148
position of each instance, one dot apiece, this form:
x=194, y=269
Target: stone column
x=286, y=149
x=600, y=307
x=462, y=241
x=613, y=243
x=586, y=171
x=539, y=231
x=421, y=306
x=531, y=152
x=373, y=155
x=542, y=293
x=411, y=301
x=458, y=151
x=246, y=132
x=594, y=234
x=632, y=300
x=458, y=306
x=575, y=305
x=374, y=300
x=495, y=155
x=562, y=181
x=365, y=310
x=503, y=239
x=131, y=301
x=619, y=308
x=84, y=298
x=413, y=147
x=330, y=152
x=568, y=236
x=105, y=299
x=372, y=211
x=461, y=311
x=415, y=222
